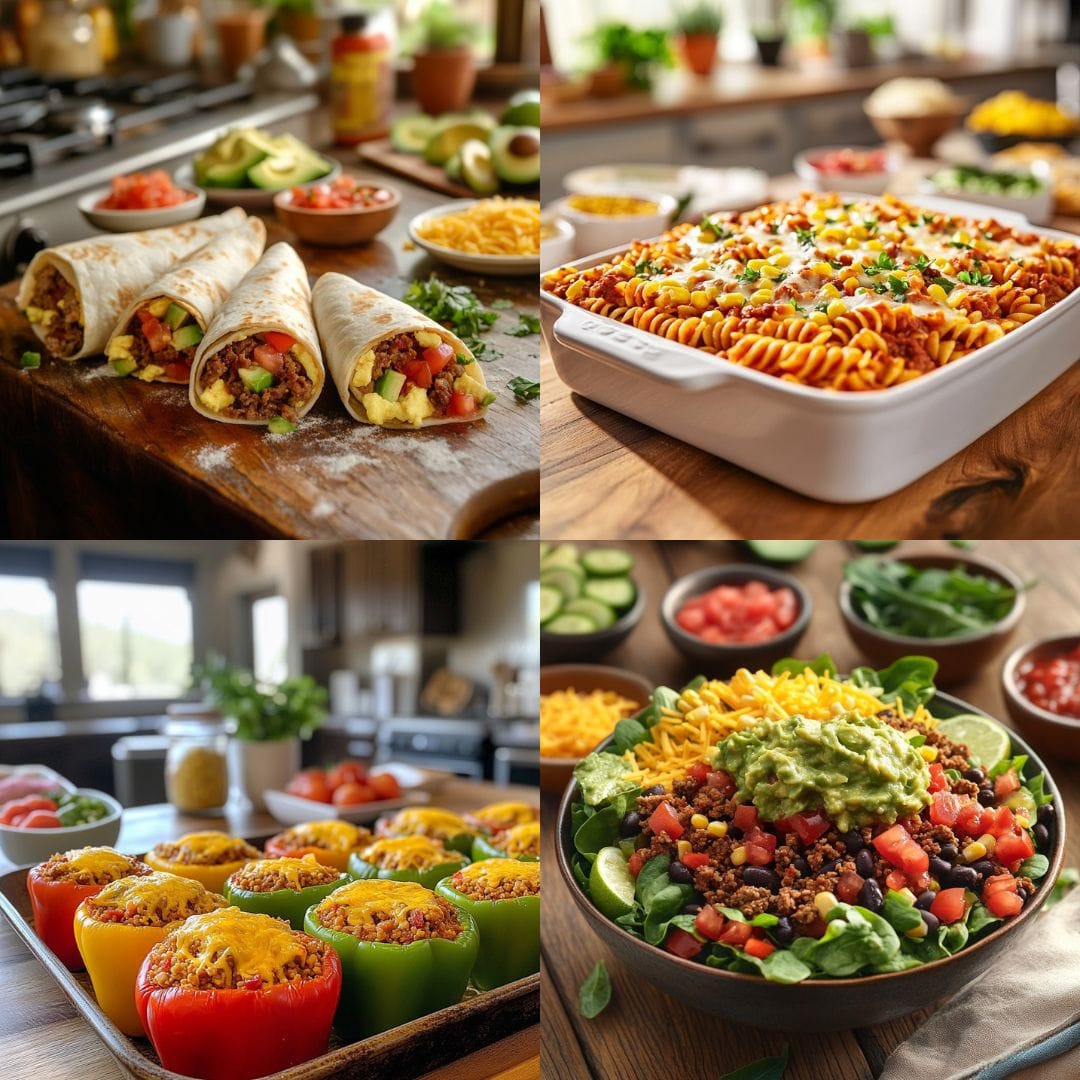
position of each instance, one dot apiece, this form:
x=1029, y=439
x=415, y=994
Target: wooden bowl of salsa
x=1041, y=681
x=338, y=213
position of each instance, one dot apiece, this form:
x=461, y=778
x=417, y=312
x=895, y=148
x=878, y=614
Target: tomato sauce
x=1054, y=683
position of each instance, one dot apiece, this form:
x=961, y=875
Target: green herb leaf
x=770, y=1068
x=524, y=389
x=1067, y=879
x=922, y=262
x=456, y=307
x=718, y=229
x=502, y=304
x=898, y=286
x=526, y=327
x=595, y=993
x=30, y=360
x=646, y=267
x=749, y=275
x=805, y=236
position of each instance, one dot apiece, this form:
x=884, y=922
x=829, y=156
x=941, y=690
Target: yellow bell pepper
x=212, y=877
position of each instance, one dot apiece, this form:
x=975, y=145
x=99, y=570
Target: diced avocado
x=477, y=169
x=523, y=109
x=389, y=384
x=450, y=135
x=410, y=134
x=285, y=170
x=122, y=366
x=256, y=379
x=187, y=336
x=515, y=154
x=453, y=167
x=175, y=315
x=280, y=426
x=488, y=399
x=30, y=360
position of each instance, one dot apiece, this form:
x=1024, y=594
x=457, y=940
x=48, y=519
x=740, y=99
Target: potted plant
x=698, y=29
x=626, y=58
x=860, y=43
x=267, y=723
x=768, y=31
x=811, y=23
x=444, y=69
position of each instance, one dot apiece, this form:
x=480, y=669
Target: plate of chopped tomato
x=141, y=200
x=339, y=212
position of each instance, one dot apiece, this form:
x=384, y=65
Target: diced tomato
x=1003, y=903
x=637, y=861
x=969, y=820
x=948, y=905
x=266, y=356
x=18, y=808
x=944, y=807
x=1013, y=848
x=682, y=944
x=736, y=933
x=698, y=772
x=759, y=947
x=787, y=607
x=692, y=620
x=40, y=819
x=437, y=357
x=896, y=846
x=709, y=923
x=178, y=370
x=896, y=879
x=664, y=820
x=999, y=881
x=721, y=780
x=1006, y=784
x=745, y=817
x=418, y=373
x=918, y=883
x=278, y=340
x=693, y=860
x=1003, y=821
x=461, y=404
x=746, y=612
x=849, y=886
x=808, y=826
x=144, y=191
x=154, y=331
x=938, y=780
x=760, y=846
x=762, y=630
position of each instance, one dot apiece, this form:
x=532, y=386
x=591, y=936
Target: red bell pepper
x=54, y=904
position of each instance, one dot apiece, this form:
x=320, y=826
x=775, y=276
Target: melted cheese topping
x=502, y=815
x=284, y=867
x=521, y=839
x=494, y=872
x=216, y=847
x=372, y=901
x=237, y=944
x=425, y=821
x=143, y=895
x=327, y=835
x=407, y=853
x=98, y=861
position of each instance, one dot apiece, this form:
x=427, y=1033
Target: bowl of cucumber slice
x=589, y=602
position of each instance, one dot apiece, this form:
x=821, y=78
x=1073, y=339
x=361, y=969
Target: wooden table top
x=693, y=1044
x=1021, y=479
x=42, y=1035
x=136, y=459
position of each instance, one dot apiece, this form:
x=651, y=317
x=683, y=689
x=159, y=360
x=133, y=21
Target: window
x=269, y=638
x=29, y=645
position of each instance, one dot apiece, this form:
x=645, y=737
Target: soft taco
x=156, y=337
x=392, y=365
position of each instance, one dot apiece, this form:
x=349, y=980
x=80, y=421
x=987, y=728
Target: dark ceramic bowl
x=556, y=773
x=722, y=660
x=817, y=1004
x=958, y=658
x=568, y=648
x=1058, y=736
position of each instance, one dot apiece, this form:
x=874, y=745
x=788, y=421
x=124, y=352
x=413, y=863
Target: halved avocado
x=515, y=154
x=522, y=110
x=453, y=167
x=447, y=138
x=288, y=144
x=225, y=164
x=410, y=134
x=285, y=170
x=476, y=168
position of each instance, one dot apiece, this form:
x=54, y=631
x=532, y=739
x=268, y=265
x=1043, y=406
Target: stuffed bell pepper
x=331, y=842
x=117, y=928
x=495, y=817
x=503, y=897
x=431, y=821
x=284, y=888
x=518, y=842
x=231, y=995
x=58, y=886
x=407, y=858
x=405, y=952
x=206, y=857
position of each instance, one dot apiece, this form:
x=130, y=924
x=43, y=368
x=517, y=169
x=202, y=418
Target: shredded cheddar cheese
x=502, y=815
x=229, y=941
x=424, y=821
x=98, y=861
x=154, y=895
x=328, y=835
x=572, y=723
x=372, y=901
x=494, y=226
x=521, y=839
x=495, y=872
x=407, y=853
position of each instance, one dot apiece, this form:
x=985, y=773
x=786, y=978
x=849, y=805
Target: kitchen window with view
x=29, y=644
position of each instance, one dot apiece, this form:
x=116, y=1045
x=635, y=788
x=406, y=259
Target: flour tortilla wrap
x=353, y=319
x=202, y=282
x=108, y=272
x=273, y=295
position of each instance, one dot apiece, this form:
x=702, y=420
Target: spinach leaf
x=1067, y=879
x=770, y=1068
x=1035, y=867
x=601, y=830
x=855, y=940
x=764, y=919
x=901, y=914
x=660, y=898
x=822, y=665
x=909, y=680
x=595, y=992
x=1035, y=786
x=979, y=918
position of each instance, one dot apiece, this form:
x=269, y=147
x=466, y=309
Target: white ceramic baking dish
x=840, y=447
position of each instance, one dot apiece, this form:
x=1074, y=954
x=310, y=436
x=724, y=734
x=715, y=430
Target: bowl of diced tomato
x=866, y=170
x=349, y=791
x=728, y=617
x=337, y=213
x=141, y=200
x=1041, y=681
x=37, y=825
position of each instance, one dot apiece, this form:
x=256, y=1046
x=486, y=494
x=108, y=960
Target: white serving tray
x=839, y=447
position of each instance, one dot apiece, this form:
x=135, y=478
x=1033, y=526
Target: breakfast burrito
x=74, y=294
x=392, y=365
x=156, y=337
x=259, y=361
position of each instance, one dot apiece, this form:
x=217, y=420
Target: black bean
x=853, y=841
x=870, y=896
x=949, y=852
x=760, y=878
x=939, y=868
x=680, y=874
x=656, y=789
x=1046, y=815
x=734, y=832
x=691, y=909
x=783, y=931
x=1042, y=836
x=829, y=867
x=962, y=877
x=931, y=921
x=864, y=863
x=976, y=776
x=925, y=899
x=985, y=797
x=802, y=866
x=984, y=868
x=630, y=824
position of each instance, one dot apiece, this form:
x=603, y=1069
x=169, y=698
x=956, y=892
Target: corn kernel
x=649, y=289
x=576, y=288
x=825, y=902
x=833, y=232
x=679, y=295
x=928, y=753
x=818, y=215
x=974, y=851
x=738, y=856
x=770, y=271
x=943, y=264
x=780, y=258
x=989, y=842
x=819, y=317
x=875, y=245
x=699, y=821
x=823, y=269
x=954, y=298
x=1022, y=821
x=907, y=894
x=762, y=296
x=851, y=243
x=671, y=283
x=732, y=300
x=755, y=264
x=916, y=932
x=717, y=828
x=626, y=268
x=835, y=309
x=684, y=847
x=829, y=289
x=962, y=236
x=699, y=298
x=701, y=264
x=936, y=292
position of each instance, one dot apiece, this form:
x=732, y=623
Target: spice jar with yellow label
x=361, y=81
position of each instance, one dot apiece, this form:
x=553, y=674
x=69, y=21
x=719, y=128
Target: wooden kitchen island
x=87, y=455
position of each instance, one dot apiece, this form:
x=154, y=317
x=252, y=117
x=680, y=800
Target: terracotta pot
x=303, y=28
x=608, y=81
x=443, y=80
x=699, y=52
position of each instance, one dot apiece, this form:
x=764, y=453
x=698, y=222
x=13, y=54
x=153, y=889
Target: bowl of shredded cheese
x=491, y=236
x=580, y=704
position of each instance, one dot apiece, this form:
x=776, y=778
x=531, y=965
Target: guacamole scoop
x=858, y=769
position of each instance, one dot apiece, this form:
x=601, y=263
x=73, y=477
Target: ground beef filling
x=182, y=853
x=394, y=353
x=61, y=867
x=53, y=292
x=143, y=354
x=395, y=925
x=290, y=390
x=271, y=875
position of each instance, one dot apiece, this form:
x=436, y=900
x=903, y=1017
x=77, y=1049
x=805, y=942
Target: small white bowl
x=866, y=183
x=1037, y=209
x=598, y=232
x=499, y=265
x=295, y=810
x=28, y=846
x=556, y=250
x=135, y=220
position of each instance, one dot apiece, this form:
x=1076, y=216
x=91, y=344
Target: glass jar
x=196, y=768
x=64, y=41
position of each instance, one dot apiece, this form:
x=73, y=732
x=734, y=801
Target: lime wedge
x=987, y=740
x=610, y=883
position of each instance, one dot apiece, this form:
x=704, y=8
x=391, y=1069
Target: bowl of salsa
x=339, y=212
x=141, y=200
x=1041, y=681
x=848, y=168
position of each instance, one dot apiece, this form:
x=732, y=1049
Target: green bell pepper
x=385, y=984
x=288, y=904
x=361, y=869
x=431, y=821
x=485, y=847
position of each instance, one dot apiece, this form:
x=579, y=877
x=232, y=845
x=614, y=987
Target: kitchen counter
x=86, y=455
x=44, y=1037
x=695, y=1045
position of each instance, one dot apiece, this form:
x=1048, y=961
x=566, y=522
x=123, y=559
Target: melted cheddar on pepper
x=238, y=944
x=521, y=839
x=424, y=821
x=502, y=815
x=407, y=853
x=98, y=861
x=494, y=872
x=328, y=835
x=372, y=901
x=150, y=893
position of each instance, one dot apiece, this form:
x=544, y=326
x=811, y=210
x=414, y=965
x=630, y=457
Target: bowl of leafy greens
x=958, y=608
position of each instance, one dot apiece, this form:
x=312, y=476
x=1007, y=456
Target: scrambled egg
x=364, y=367
x=120, y=347
x=427, y=339
x=158, y=307
x=40, y=315
x=216, y=397
x=413, y=408
x=150, y=373
x=307, y=362
x=468, y=385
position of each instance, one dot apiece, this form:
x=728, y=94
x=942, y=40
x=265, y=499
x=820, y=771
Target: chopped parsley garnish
x=922, y=262
x=502, y=304
x=822, y=305
x=524, y=389
x=960, y=244
x=848, y=205
x=465, y=359
x=456, y=307
x=774, y=227
x=880, y=287
x=870, y=225
x=719, y=232
x=780, y=277
x=836, y=264
x=30, y=360
x=975, y=277
x=806, y=236
x=927, y=218
x=749, y=275
x=898, y=286
x=946, y=284
x=796, y=305
x=883, y=262
x=526, y=327
x=646, y=267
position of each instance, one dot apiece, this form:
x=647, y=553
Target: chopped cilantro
x=927, y=218
x=922, y=262
x=870, y=225
x=880, y=287
x=836, y=264
x=524, y=389
x=885, y=262
x=456, y=307
x=975, y=277
x=822, y=305
x=774, y=227
x=797, y=306
x=848, y=205
x=526, y=327
x=946, y=284
x=898, y=286
x=806, y=236
x=718, y=231
x=749, y=275
x=960, y=244
x=646, y=267
x=502, y=304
